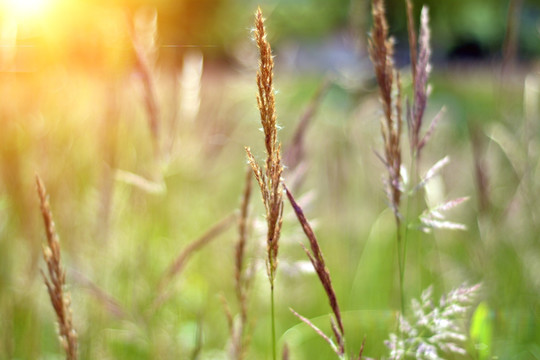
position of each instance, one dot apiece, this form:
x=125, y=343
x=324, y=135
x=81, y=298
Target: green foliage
x=481, y=330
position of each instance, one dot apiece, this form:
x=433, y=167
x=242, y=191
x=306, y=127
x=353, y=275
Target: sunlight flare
x=26, y=8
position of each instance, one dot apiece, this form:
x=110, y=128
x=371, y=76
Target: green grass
x=62, y=139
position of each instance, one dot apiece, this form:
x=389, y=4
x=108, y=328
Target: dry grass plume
x=421, y=70
x=381, y=50
x=269, y=180
x=56, y=279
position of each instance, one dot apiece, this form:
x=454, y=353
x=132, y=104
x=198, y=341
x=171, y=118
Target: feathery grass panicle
x=56, y=280
x=317, y=260
x=265, y=96
x=381, y=51
x=411, y=31
x=269, y=180
x=433, y=218
x=434, y=330
x=421, y=70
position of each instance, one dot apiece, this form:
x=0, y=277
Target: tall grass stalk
x=420, y=54
x=381, y=50
x=243, y=276
x=56, y=279
x=388, y=79
x=269, y=180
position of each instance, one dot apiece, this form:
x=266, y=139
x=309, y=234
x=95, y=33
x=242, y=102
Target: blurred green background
x=73, y=109
x=80, y=31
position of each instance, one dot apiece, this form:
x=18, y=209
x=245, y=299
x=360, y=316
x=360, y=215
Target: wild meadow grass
x=163, y=249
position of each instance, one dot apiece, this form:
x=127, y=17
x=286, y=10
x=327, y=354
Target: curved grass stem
x=273, y=315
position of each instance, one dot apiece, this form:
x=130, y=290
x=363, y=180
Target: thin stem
x=408, y=216
x=274, y=356
x=404, y=254
x=400, y=266
x=417, y=206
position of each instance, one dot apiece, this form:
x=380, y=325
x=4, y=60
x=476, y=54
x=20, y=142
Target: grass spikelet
x=411, y=31
x=56, y=279
x=381, y=50
x=265, y=97
x=270, y=180
x=421, y=88
x=317, y=260
x=434, y=330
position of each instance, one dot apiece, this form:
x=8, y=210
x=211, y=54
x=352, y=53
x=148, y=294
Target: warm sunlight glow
x=25, y=8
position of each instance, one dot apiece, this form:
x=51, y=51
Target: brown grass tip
x=317, y=260
x=56, y=279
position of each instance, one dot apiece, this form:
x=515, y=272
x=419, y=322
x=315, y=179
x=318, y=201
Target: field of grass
x=125, y=212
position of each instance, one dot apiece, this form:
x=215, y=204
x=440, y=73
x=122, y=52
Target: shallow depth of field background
x=72, y=109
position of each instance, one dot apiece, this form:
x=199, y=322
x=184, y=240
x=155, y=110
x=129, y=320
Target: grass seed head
x=421, y=88
x=269, y=180
x=381, y=50
x=55, y=279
